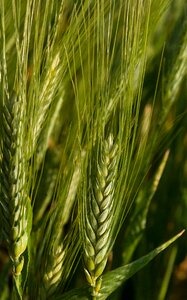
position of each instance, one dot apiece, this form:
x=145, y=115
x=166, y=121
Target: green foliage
x=92, y=137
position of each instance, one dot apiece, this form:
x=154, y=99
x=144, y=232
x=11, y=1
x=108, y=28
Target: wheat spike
x=53, y=272
x=46, y=97
x=99, y=216
x=61, y=252
x=14, y=201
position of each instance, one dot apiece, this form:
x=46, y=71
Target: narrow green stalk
x=168, y=274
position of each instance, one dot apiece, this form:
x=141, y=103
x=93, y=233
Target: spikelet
x=99, y=215
x=14, y=201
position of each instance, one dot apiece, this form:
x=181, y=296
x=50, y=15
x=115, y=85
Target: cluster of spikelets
x=99, y=214
x=54, y=269
x=15, y=202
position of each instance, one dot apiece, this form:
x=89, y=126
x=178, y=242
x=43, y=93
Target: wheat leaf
x=116, y=278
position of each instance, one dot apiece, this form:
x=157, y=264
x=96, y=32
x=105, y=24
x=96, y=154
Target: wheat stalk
x=14, y=199
x=99, y=216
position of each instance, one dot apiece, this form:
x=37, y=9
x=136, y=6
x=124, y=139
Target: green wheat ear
x=54, y=269
x=99, y=214
x=14, y=200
